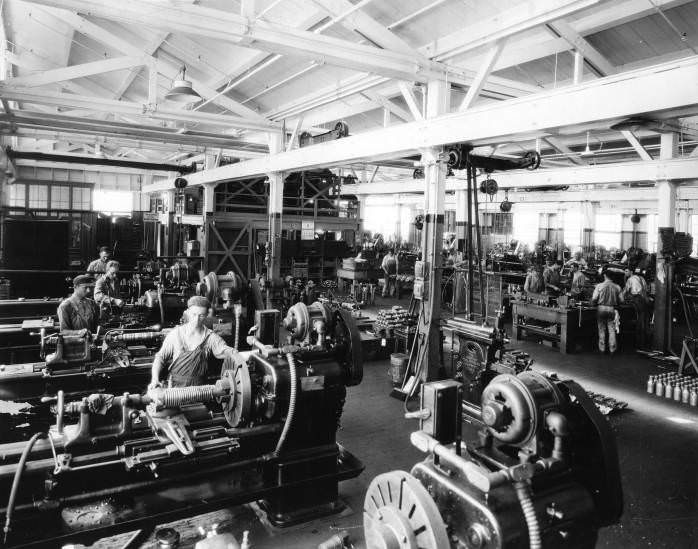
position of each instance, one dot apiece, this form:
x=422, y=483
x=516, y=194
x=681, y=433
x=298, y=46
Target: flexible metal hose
x=291, y=404
x=523, y=492
x=15, y=483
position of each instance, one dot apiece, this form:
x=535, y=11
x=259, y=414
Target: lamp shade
x=182, y=91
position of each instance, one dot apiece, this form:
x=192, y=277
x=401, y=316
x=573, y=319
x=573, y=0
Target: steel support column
x=276, y=206
x=428, y=327
x=666, y=191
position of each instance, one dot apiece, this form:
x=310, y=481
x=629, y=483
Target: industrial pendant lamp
x=182, y=91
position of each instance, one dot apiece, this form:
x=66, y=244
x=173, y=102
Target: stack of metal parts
x=542, y=472
x=388, y=320
x=264, y=431
x=606, y=404
x=680, y=388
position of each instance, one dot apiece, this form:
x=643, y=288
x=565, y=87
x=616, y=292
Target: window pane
x=608, y=228
x=113, y=201
x=17, y=195
x=38, y=196
x=526, y=227
x=60, y=198
x=572, y=228
x=81, y=198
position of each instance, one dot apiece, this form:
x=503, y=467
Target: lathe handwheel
x=400, y=514
x=237, y=409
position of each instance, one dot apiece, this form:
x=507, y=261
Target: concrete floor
x=657, y=441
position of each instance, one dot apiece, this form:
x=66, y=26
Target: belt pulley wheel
x=210, y=287
x=238, y=408
x=347, y=335
x=400, y=514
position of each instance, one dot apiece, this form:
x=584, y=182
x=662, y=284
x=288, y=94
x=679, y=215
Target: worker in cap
x=99, y=265
x=79, y=314
x=187, y=348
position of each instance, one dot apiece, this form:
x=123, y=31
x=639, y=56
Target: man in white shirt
x=635, y=292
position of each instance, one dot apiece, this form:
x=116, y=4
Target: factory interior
x=349, y=274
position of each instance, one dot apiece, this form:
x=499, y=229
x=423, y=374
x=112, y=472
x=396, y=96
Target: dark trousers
x=642, y=323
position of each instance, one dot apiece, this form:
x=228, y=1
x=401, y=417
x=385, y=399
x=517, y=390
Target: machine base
x=181, y=498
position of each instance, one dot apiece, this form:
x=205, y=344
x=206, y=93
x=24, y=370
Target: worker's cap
x=199, y=301
x=83, y=280
x=104, y=249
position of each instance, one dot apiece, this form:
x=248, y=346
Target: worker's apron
x=190, y=367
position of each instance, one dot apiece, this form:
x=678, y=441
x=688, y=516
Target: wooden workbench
x=359, y=275
x=573, y=324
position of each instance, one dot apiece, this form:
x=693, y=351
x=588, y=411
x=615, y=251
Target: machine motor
x=542, y=473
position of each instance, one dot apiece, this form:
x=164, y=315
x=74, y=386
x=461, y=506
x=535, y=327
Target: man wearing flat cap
x=78, y=313
x=187, y=349
x=99, y=265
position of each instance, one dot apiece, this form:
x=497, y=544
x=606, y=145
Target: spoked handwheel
x=400, y=514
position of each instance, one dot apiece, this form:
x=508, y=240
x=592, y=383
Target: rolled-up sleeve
x=100, y=289
x=64, y=318
x=166, y=352
x=217, y=347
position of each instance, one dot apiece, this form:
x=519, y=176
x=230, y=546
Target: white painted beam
x=390, y=106
x=247, y=9
x=149, y=49
x=411, y=101
x=680, y=169
x=72, y=72
x=130, y=109
x=521, y=51
x=513, y=21
x=483, y=72
x=666, y=89
x=354, y=19
x=635, y=142
x=102, y=35
x=578, y=74
x=294, y=135
x=231, y=27
x=578, y=43
x=558, y=145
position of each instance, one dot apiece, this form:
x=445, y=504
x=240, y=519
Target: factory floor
x=657, y=443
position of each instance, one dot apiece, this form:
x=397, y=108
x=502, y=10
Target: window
x=60, y=198
x=381, y=219
x=652, y=232
x=572, y=228
x=38, y=196
x=113, y=201
x=526, y=227
x=81, y=198
x=607, y=233
x=694, y=232
x=18, y=197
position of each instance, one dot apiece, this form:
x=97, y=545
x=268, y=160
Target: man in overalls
x=187, y=349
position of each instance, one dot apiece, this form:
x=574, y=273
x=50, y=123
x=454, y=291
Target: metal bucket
x=398, y=367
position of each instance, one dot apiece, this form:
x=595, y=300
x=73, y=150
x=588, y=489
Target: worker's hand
x=118, y=302
x=83, y=332
x=154, y=384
